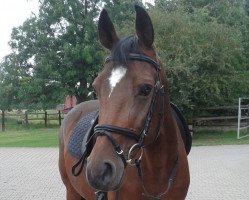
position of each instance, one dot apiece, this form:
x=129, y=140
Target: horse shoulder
x=74, y=115
x=65, y=163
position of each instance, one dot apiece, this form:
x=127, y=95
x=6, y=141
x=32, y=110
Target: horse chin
x=114, y=186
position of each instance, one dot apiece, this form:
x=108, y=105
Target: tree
x=8, y=85
x=59, y=47
x=204, y=44
x=247, y=7
x=58, y=50
x=202, y=53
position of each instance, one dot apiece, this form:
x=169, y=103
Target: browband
x=140, y=57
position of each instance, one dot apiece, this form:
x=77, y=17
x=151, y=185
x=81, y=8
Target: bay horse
x=133, y=149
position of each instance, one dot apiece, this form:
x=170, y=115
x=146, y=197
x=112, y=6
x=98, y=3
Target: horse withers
x=127, y=144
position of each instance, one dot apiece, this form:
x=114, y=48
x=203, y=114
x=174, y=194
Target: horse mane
x=126, y=45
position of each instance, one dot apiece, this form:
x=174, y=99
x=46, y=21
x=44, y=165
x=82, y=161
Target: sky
x=12, y=14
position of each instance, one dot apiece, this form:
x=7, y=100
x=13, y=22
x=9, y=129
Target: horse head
x=130, y=91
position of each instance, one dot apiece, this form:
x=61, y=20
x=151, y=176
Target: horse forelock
x=120, y=52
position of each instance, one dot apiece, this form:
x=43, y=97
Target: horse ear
x=107, y=33
x=144, y=27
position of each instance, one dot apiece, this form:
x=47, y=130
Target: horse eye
x=145, y=90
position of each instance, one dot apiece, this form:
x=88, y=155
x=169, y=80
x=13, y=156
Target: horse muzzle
x=105, y=166
x=104, y=174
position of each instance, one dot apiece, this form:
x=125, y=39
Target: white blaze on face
x=116, y=75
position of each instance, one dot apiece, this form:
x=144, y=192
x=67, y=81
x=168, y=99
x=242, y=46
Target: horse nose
x=107, y=172
x=101, y=176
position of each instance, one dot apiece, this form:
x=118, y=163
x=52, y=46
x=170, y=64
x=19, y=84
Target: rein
x=170, y=180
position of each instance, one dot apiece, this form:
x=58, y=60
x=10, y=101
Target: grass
x=208, y=138
x=36, y=135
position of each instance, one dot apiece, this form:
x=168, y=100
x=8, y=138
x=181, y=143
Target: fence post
x=26, y=118
x=59, y=113
x=46, y=119
x=247, y=124
x=3, y=120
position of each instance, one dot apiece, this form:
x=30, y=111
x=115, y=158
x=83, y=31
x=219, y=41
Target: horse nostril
x=107, y=172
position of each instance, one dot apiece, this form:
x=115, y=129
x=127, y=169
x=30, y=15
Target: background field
x=38, y=136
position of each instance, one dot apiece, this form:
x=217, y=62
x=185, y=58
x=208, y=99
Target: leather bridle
x=107, y=130
x=158, y=91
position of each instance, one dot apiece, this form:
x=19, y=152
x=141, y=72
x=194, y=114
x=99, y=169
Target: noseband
x=107, y=130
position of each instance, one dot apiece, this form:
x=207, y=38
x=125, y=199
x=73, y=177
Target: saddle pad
x=183, y=127
x=79, y=136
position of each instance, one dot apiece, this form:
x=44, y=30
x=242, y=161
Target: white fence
x=243, y=118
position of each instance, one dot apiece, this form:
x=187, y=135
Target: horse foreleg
x=71, y=193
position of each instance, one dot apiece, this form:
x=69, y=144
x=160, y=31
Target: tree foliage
x=58, y=50
x=203, y=44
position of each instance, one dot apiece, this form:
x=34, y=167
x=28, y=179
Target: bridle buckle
x=120, y=152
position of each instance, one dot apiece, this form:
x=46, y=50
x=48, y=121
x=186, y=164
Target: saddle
x=79, y=145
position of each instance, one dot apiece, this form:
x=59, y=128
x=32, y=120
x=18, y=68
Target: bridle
x=107, y=130
x=158, y=91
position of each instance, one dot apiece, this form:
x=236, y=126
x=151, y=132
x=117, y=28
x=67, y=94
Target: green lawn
x=203, y=138
x=48, y=137
x=42, y=137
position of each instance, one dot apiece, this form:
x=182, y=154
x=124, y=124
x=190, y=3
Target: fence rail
x=217, y=118
x=221, y=118
x=25, y=118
